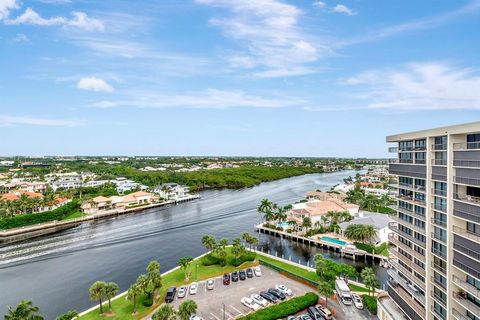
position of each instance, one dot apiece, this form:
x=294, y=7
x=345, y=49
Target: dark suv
x=313, y=312
x=234, y=276
x=243, y=275
x=226, y=279
x=170, y=294
x=277, y=293
x=249, y=273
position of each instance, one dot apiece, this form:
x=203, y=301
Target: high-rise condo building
x=436, y=265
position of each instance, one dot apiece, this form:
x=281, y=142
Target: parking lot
x=225, y=300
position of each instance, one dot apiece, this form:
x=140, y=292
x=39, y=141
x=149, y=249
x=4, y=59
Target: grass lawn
x=304, y=273
x=123, y=308
x=354, y=287
x=74, y=215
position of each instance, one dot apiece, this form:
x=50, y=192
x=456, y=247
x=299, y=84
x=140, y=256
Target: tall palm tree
x=184, y=263
x=132, y=294
x=69, y=315
x=265, y=205
x=25, y=310
x=97, y=292
x=326, y=290
x=154, y=276
x=111, y=290
x=165, y=312
x=238, y=249
x=209, y=242
x=307, y=222
x=369, y=279
x=186, y=309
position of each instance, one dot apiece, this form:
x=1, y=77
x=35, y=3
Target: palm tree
x=369, y=279
x=25, y=310
x=253, y=242
x=184, y=263
x=265, y=205
x=186, y=309
x=165, y=312
x=97, y=292
x=132, y=294
x=69, y=315
x=154, y=276
x=143, y=282
x=307, y=222
x=111, y=290
x=320, y=265
x=208, y=242
x=238, y=249
x=246, y=237
x=325, y=289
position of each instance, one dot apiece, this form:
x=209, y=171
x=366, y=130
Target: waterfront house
x=171, y=191
x=101, y=204
x=316, y=209
x=379, y=221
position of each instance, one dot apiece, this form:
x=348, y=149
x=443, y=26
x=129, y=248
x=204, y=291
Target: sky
x=233, y=77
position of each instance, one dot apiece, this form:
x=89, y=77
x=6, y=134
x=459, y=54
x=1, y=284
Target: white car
x=210, y=284
x=285, y=290
x=182, y=291
x=250, y=303
x=357, y=301
x=326, y=313
x=257, y=271
x=193, y=288
x=259, y=300
x=195, y=317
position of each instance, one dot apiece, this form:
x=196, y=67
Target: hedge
x=210, y=260
x=370, y=303
x=41, y=217
x=284, y=309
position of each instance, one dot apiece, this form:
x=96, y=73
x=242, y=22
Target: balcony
x=436, y=313
x=473, y=254
x=467, y=198
x=466, y=146
x=438, y=283
x=467, y=304
x=467, y=163
x=408, y=224
x=439, y=238
x=474, y=291
x=458, y=316
x=411, y=199
x=440, y=146
x=405, y=248
x=408, y=170
x=409, y=306
x=466, y=181
x=438, y=299
x=439, y=268
x=440, y=254
x=439, y=192
x=409, y=237
x=439, y=162
x=475, y=272
x=409, y=212
x=439, y=223
x=466, y=234
x=409, y=262
x=419, y=283
x=408, y=288
x=439, y=207
x=439, y=177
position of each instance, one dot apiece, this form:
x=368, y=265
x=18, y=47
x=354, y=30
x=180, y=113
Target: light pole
x=223, y=311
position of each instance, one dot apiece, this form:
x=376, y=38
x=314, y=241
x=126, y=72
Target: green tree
x=132, y=294
x=25, y=310
x=97, y=292
x=307, y=222
x=165, y=312
x=184, y=263
x=186, y=309
x=111, y=290
x=264, y=207
x=326, y=290
x=154, y=277
x=369, y=279
x=237, y=248
x=209, y=242
x=69, y=315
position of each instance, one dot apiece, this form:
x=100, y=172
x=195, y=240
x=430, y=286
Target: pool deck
x=353, y=253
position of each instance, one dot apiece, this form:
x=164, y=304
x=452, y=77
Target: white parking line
x=236, y=309
x=228, y=314
x=215, y=316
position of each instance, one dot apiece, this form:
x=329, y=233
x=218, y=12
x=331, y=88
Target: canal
x=56, y=271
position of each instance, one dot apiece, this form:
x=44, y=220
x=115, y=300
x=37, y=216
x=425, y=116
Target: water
x=333, y=240
x=56, y=271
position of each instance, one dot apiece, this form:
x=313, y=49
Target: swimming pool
x=283, y=225
x=333, y=240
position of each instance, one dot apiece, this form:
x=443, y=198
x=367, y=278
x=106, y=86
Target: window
x=405, y=145
x=439, y=249
x=420, y=237
x=473, y=228
x=473, y=141
x=420, y=157
x=440, y=158
x=440, y=234
x=440, y=143
x=420, y=210
x=420, y=144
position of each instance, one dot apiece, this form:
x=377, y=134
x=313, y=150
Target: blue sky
x=224, y=77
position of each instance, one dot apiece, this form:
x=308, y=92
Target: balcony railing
x=439, y=146
x=409, y=237
x=467, y=163
x=474, y=254
x=439, y=192
x=439, y=222
x=438, y=314
x=439, y=162
x=466, y=215
x=439, y=238
x=405, y=248
x=439, y=207
x=407, y=303
x=410, y=263
x=439, y=268
x=420, y=161
x=408, y=273
x=466, y=146
x=466, y=234
x=467, y=304
x=410, y=225
x=439, y=177
x=409, y=212
x=437, y=282
x=403, y=149
x=458, y=316
x=465, y=268
x=467, y=198
x=466, y=286
x=408, y=287
x=439, y=253
x=466, y=180
x=407, y=161
x=439, y=299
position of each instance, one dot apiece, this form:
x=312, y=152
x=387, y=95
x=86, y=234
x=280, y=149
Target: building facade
x=436, y=233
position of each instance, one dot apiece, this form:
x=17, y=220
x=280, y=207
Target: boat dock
x=347, y=252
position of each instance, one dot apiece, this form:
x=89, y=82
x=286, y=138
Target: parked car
x=257, y=271
x=357, y=301
x=304, y=316
x=268, y=296
x=226, y=279
x=170, y=294
x=195, y=317
x=193, y=288
x=325, y=312
x=291, y=318
x=210, y=284
x=250, y=303
x=242, y=274
x=259, y=300
x=285, y=290
x=182, y=292
x=249, y=273
x=235, y=276
x=314, y=314
x=280, y=295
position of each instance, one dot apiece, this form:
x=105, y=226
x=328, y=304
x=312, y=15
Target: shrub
x=370, y=303
x=210, y=260
x=285, y=308
x=148, y=300
x=248, y=256
x=41, y=217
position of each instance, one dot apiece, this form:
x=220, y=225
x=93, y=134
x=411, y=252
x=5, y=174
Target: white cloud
x=94, y=84
x=21, y=38
x=269, y=32
x=7, y=120
x=79, y=20
x=6, y=6
x=419, y=86
x=209, y=99
x=319, y=4
x=341, y=8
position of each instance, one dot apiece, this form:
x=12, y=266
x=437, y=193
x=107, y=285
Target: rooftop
x=455, y=129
